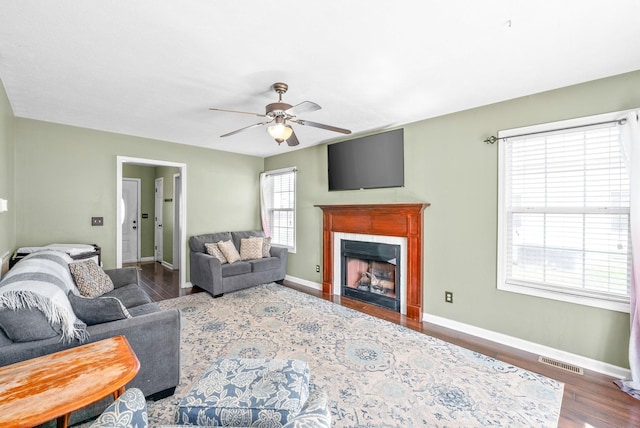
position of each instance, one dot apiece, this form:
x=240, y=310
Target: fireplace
x=402, y=222
x=370, y=272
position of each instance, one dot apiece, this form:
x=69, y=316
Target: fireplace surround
x=398, y=220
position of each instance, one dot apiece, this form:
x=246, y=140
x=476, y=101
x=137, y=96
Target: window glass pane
x=566, y=212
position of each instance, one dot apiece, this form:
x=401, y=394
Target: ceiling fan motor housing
x=277, y=109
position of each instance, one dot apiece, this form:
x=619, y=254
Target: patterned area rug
x=376, y=373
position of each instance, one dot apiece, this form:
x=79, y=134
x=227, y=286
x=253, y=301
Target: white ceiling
x=152, y=68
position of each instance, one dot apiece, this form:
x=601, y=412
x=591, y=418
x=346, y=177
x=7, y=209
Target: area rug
x=376, y=373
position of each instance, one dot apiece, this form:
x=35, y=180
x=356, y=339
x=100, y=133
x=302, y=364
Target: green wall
x=7, y=180
x=65, y=175
x=448, y=165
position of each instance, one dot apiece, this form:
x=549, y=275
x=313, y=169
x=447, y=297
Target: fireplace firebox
x=371, y=272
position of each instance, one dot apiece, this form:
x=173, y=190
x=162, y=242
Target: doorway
x=176, y=205
x=130, y=220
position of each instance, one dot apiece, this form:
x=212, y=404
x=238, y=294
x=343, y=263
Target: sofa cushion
x=25, y=325
x=130, y=295
x=237, y=237
x=213, y=250
x=229, y=250
x=90, y=278
x=98, y=310
x=265, y=264
x=149, y=308
x=251, y=248
x=196, y=243
x=237, y=268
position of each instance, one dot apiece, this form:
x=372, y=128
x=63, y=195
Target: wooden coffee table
x=52, y=386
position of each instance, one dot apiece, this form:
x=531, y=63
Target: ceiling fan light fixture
x=280, y=131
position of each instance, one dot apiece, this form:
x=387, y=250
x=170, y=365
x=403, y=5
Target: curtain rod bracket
x=491, y=140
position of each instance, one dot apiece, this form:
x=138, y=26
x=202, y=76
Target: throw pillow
x=91, y=280
x=229, y=251
x=98, y=310
x=266, y=245
x=251, y=248
x=26, y=325
x=213, y=250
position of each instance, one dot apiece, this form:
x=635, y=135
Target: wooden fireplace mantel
x=404, y=220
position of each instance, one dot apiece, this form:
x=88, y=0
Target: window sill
x=566, y=297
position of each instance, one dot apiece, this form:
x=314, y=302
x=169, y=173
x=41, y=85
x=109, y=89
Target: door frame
x=158, y=232
x=177, y=197
x=120, y=160
x=138, y=234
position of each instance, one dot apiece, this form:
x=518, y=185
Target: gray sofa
x=217, y=278
x=153, y=334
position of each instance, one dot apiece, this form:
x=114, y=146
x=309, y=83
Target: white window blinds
x=279, y=200
x=565, y=213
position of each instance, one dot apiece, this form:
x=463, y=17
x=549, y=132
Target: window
x=564, y=213
x=278, y=190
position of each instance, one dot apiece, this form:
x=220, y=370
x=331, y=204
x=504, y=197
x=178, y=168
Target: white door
x=177, y=201
x=130, y=223
x=158, y=218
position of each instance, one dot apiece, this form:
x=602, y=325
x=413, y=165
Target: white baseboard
x=148, y=259
x=187, y=284
x=534, y=348
x=167, y=265
x=310, y=284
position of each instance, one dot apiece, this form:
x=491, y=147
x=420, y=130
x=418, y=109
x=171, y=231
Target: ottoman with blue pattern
x=247, y=392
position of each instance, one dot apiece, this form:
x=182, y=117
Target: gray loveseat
x=210, y=274
x=154, y=334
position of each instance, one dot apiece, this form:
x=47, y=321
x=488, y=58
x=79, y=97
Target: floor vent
x=559, y=364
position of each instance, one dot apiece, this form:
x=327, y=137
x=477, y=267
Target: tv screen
x=375, y=161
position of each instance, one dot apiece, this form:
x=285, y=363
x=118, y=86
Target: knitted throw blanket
x=42, y=281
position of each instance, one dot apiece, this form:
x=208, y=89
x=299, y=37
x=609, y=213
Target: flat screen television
x=370, y=162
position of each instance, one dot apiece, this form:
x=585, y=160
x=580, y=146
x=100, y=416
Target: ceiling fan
x=279, y=114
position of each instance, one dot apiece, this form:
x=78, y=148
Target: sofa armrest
x=206, y=272
x=282, y=254
x=123, y=276
x=315, y=412
x=130, y=407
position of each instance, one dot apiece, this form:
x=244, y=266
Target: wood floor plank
x=589, y=400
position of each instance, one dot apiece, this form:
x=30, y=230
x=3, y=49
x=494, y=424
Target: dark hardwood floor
x=590, y=400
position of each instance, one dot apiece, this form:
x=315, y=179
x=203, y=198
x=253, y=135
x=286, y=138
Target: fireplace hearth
x=370, y=272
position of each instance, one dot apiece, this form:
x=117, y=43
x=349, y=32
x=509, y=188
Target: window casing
x=563, y=226
x=279, y=193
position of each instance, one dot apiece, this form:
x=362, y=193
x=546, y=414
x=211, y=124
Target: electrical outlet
x=317, y=268
x=448, y=296
x=97, y=221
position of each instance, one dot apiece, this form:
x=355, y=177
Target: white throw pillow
x=229, y=250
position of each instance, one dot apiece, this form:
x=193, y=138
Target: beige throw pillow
x=90, y=278
x=266, y=245
x=229, y=250
x=251, y=248
x=213, y=250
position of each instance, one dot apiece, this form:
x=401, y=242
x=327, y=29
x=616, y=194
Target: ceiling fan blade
x=320, y=125
x=303, y=107
x=236, y=111
x=244, y=129
x=293, y=140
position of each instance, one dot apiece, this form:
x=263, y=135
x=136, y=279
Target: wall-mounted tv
x=370, y=162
